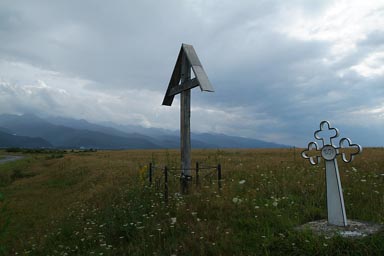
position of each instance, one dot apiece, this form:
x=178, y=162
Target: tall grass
x=101, y=203
x=4, y=222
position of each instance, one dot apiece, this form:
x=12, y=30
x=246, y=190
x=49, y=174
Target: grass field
x=100, y=203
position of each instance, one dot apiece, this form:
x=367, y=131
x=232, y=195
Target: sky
x=278, y=67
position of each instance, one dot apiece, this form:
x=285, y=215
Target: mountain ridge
x=10, y=141
x=63, y=132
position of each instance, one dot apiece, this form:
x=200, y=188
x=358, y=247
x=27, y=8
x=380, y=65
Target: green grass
x=100, y=203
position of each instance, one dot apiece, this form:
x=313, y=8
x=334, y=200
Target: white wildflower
x=236, y=200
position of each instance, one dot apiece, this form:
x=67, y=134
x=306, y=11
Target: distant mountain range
x=31, y=131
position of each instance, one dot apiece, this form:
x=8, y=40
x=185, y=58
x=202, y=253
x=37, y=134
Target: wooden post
x=219, y=175
x=166, y=184
x=197, y=173
x=150, y=174
x=181, y=83
x=185, y=120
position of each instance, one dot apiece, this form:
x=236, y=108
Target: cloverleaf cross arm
x=328, y=151
x=348, y=150
x=312, y=153
x=326, y=133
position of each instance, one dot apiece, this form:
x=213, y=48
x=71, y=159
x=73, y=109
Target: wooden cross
x=347, y=150
x=182, y=83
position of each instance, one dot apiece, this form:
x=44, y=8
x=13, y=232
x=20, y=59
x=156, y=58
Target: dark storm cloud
x=126, y=43
x=116, y=43
x=275, y=77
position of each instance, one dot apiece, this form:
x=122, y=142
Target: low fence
x=201, y=168
x=161, y=176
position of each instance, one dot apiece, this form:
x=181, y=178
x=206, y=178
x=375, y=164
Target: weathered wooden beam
x=185, y=120
x=183, y=87
x=201, y=77
x=175, y=79
x=181, y=83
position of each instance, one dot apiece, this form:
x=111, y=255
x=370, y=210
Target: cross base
x=185, y=180
x=355, y=229
x=186, y=177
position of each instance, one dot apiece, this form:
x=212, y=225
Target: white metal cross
x=328, y=151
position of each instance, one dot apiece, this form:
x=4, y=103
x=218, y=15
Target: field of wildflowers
x=101, y=203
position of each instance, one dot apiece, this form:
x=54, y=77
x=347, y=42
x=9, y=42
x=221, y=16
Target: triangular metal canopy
x=201, y=78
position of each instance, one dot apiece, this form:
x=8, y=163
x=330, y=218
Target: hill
x=8, y=141
x=62, y=132
x=67, y=137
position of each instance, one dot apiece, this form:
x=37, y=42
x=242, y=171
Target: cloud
x=278, y=67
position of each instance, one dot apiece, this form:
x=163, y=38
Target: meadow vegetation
x=101, y=203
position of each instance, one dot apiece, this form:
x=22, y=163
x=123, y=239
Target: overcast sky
x=278, y=67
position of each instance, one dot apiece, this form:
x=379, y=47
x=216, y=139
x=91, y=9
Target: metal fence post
x=197, y=173
x=219, y=175
x=166, y=183
x=150, y=174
